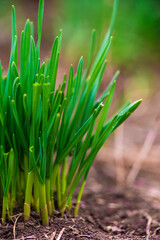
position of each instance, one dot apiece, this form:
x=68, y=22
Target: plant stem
x=52, y=183
x=48, y=197
x=58, y=187
x=19, y=192
x=13, y=199
x=22, y=183
x=36, y=193
x=43, y=204
x=25, y=168
x=52, y=204
x=4, y=208
x=7, y=207
x=63, y=177
x=28, y=195
x=69, y=205
x=79, y=198
x=63, y=204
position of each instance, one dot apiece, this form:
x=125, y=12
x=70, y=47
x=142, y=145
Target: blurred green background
x=135, y=48
x=136, y=32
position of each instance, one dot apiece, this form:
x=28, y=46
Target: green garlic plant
x=48, y=136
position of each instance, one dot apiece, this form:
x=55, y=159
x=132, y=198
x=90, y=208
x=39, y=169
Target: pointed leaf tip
x=138, y=102
x=102, y=105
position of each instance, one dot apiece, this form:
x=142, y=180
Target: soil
x=106, y=212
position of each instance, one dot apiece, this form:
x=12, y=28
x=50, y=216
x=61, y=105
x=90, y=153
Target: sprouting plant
x=49, y=138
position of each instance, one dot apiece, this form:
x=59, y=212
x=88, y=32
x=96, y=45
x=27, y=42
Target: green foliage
x=49, y=138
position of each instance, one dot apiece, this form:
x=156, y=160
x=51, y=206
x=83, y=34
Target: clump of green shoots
x=50, y=137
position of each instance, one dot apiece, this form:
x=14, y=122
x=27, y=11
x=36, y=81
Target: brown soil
x=106, y=212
